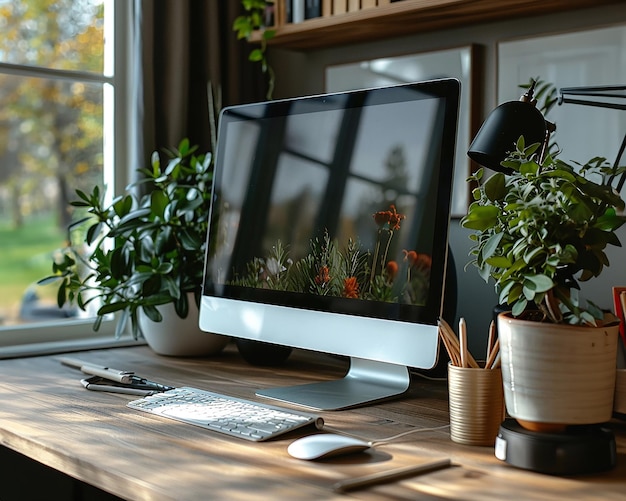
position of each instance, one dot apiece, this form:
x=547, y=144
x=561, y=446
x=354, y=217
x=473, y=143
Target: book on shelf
x=300, y=10
x=327, y=8
x=297, y=11
x=340, y=6
x=312, y=9
x=287, y=11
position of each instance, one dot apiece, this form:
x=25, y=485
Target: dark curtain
x=185, y=45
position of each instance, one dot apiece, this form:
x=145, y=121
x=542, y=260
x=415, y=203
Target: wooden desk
x=46, y=415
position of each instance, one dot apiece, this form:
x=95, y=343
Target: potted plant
x=143, y=254
x=539, y=230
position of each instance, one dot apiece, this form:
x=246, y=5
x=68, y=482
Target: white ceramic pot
x=557, y=374
x=180, y=337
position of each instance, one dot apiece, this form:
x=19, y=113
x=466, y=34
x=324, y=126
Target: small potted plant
x=143, y=254
x=539, y=230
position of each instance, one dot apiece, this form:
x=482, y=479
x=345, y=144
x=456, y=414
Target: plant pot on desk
x=556, y=375
x=180, y=337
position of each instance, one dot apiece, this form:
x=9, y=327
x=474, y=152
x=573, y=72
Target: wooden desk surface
x=48, y=416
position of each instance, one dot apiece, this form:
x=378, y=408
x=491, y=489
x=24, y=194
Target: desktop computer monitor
x=329, y=232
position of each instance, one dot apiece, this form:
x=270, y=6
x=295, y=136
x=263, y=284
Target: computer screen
x=329, y=230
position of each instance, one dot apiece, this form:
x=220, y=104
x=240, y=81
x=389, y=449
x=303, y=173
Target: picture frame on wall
x=576, y=59
x=458, y=62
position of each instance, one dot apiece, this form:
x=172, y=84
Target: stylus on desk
x=114, y=380
x=111, y=388
x=389, y=476
x=97, y=370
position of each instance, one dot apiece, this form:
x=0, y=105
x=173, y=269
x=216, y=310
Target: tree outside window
x=53, y=79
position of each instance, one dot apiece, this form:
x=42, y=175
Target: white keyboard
x=231, y=416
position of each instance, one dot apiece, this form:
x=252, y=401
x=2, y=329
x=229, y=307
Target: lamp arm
x=620, y=183
x=614, y=106
x=612, y=91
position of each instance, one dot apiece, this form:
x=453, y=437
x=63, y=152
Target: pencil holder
x=476, y=404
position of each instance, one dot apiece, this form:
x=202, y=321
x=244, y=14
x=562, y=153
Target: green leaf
x=491, y=246
x=560, y=174
x=121, y=323
x=256, y=55
x=112, y=308
x=171, y=166
x=62, y=294
x=532, y=149
x=97, y=323
x=182, y=306
x=159, y=201
x=511, y=164
x=480, y=217
x=155, y=161
x=162, y=242
x=519, y=307
x=183, y=147
x=93, y=233
x=529, y=168
x=540, y=283
x=499, y=262
x=172, y=287
x=533, y=253
x=495, y=188
x=123, y=206
x=164, y=268
x=609, y=221
x=50, y=279
x=152, y=313
x=146, y=249
x=190, y=240
x=119, y=262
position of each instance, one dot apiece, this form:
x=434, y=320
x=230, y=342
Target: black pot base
x=578, y=450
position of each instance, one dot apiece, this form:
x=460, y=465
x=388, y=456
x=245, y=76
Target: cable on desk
x=387, y=440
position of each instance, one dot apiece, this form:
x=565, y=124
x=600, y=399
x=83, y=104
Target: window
x=63, y=86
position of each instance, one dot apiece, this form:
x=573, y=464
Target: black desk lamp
x=506, y=123
x=584, y=449
x=503, y=127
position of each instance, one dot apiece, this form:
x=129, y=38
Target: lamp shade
x=501, y=130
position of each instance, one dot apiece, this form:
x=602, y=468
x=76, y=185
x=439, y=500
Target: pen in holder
x=475, y=390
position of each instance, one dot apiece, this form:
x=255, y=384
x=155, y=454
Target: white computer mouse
x=323, y=445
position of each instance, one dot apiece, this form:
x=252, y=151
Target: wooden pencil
x=491, y=339
x=463, y=343
x=495, y=352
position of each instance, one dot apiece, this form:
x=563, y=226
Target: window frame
x=77, y=334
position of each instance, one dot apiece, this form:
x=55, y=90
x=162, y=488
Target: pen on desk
x=116, y=389
x=96, y=370
x=389, y=476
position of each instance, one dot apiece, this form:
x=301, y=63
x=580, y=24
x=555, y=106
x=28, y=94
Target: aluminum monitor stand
x=367, y=381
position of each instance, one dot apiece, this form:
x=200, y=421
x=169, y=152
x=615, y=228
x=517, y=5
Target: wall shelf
x=411, y=16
